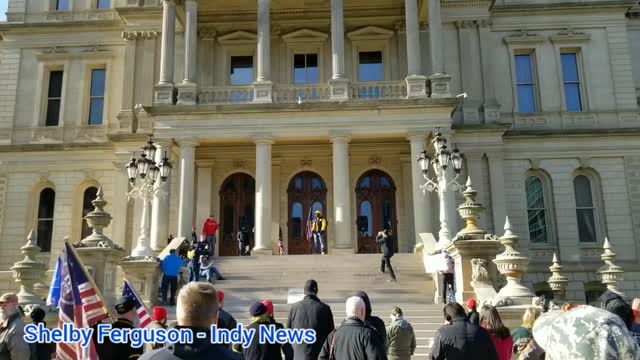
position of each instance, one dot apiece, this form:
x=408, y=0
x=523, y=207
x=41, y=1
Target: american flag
x=80, y=304
x=143, y=314
x=309, y=234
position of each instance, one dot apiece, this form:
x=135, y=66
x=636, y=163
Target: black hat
x=125, y=304
x=37, y=315
x=311, y=287
x=257, y=309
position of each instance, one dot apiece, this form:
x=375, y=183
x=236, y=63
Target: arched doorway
x=307, y=193
x=376, y=206
x=237, y=209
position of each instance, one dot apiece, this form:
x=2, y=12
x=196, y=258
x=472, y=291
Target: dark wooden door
x=237, y=211
x=376, y=207
x=307, y=193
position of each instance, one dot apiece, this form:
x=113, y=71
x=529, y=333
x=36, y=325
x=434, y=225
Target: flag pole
x=89, y=277
x=136, y=294
x=306, y=232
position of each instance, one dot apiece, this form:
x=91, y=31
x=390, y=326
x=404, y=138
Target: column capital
x=169, y=2
x=207, y=33
x=417, y=136
x=340, y=137
x=260, y=139
x=185, y=143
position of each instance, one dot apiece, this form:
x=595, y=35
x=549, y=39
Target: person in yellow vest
x=319, y=231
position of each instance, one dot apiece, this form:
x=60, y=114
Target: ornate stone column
x=341, y=193
x=188, y=89
x=611, y=273
x=421, y=202
x=164, y=89
x=263, y=196
x=263, y=87
x=440, y=81
x=513, y=264
x=27, y=272
x=339, y=83
x=187, y=181
x=160, y=206
x=557, y=282
x=416, y=81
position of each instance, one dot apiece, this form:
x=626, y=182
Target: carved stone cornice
x=465, y=24
x=569, y=35
x=618, y=7
x=207, y=33
x=277, y=14
x=523, y=37
x=140, y=34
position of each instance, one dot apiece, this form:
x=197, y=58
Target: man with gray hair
x=197, y=309
x=353, y=340
x=12, y=344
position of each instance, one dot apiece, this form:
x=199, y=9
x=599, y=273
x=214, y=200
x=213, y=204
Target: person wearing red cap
x=473, y=315
x=225, y=320
x=287, y=349
x=159, y=322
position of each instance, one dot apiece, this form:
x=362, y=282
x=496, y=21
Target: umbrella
x=584, y=333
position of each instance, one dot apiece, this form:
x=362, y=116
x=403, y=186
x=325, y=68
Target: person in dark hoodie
x=197, y=310
x=402, y=339
x=40, y=350
x=287, y=349
x=373, y=322
x=473, y=315
x=256, y=349
x=225, y=320
x=310, y=313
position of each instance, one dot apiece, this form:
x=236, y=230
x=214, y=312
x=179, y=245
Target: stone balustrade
x=301, y=93
x=378, y=90
x=220, y=95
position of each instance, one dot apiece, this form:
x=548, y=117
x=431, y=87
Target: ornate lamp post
x=148, y=171
x=439, y=162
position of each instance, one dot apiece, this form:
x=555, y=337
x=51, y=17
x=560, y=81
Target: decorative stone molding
x=610, y=273
x=560, y=10
x=479, y=270
x=207, y=33
x=238, y=37
x=305, y=162
x=534, y=163
x=27, y=272
x=465, y=24
x=569, y=36
x=440, y=85
x=142, y=34
x=585, y=162
x=523, y=37
x=239, y=163
x=370, y=33
x=305, y=36
x=375, y=160
x=579, y=120
x=530, y=121
x=557, y=282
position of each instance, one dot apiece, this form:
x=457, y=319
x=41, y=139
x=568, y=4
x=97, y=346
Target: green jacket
x=402, y=340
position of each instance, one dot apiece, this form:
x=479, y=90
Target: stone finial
x=557, y=282
x=611, y=273
x=513, y=264
x=28, y=271
x=98, y=219
x=470, y=211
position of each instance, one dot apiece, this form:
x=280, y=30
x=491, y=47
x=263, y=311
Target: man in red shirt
x=209, y=230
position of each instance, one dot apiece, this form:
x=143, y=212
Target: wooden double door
x=307, y=193
x=376, y=209
x=237, y=211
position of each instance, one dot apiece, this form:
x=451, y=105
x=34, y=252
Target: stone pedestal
x=263, y=92
x=492, y=112
x=339, y=90
x=557, y=282
x=104, y=262
x=187, y=93
x=163, y=94
x=513, y=265
x=463, y=252
x=144, y=276
x=416, y=87
x=27, y=272
x=611, y=274
x=440, y=86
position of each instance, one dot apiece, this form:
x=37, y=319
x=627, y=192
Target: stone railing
x=378, y=90
x=301, y=93
x=226, y=95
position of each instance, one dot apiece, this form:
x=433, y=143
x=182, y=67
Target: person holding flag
x=53, y=298
x=126, y=310
x=319, y=230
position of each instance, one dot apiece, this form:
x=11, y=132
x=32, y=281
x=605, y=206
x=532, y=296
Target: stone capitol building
x=270, y=110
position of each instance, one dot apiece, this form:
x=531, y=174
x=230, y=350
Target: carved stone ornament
x=375, y=160
x=238, y=163
x=479, y=270
x=305, y=162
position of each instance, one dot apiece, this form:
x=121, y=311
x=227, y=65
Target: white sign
x=294, y=295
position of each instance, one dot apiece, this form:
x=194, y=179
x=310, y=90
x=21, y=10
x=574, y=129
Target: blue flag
x=53, y=298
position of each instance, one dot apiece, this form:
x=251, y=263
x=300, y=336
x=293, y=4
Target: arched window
x=46, y=204
x=296, y=219
x=89, y=195
x=537, y=211
x=585, y=209
x=366, y=218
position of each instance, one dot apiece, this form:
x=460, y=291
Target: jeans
x=211, y=271
x=166, y=282
x=211, y=239
x=447, y=279
x=319, y=243
x=194, y=271
x=386, y=262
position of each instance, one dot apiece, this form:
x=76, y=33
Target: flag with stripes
x=80, y=304
x=309, y=232
x=143, y=314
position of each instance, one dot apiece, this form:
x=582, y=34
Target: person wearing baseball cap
x=126, y=311
x=159, y=322
x=473, y=315
x=319, y=232
x=257, y=350
x=310, y=313
x=287, y=349
x=12, y=344
x=225, y=320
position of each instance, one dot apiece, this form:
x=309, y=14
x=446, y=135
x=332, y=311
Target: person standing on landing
x=385, y=239
x=209, y=230
x=319, y=231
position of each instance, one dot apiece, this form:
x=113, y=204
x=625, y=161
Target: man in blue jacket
x=171, y=265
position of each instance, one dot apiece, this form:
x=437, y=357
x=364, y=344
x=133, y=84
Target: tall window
x=536, y=210
x=96, y=96
x=585, y=209
x=46, y=204
x=370, y=66
x=89, y=195
x=571, y=81
x=305, y=69
x=62, y=5
x=54, y=98
x=241, y=70
x=104, y=4
x=525, y=83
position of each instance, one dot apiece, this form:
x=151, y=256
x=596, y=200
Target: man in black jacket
x=310, y=313
x=126, y=310
x=197, y=309
x=385, y=239
x=353, y=340
x=287, y=349
x=225, y=320
x=461, y=340
x=256, y=349
x=372, y=321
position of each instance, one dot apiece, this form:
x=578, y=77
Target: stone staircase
x=250, y=279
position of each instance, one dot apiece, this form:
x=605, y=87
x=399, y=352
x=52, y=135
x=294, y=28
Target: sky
x=3, y=10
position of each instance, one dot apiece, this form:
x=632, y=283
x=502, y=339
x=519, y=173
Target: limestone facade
x=212, y=130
